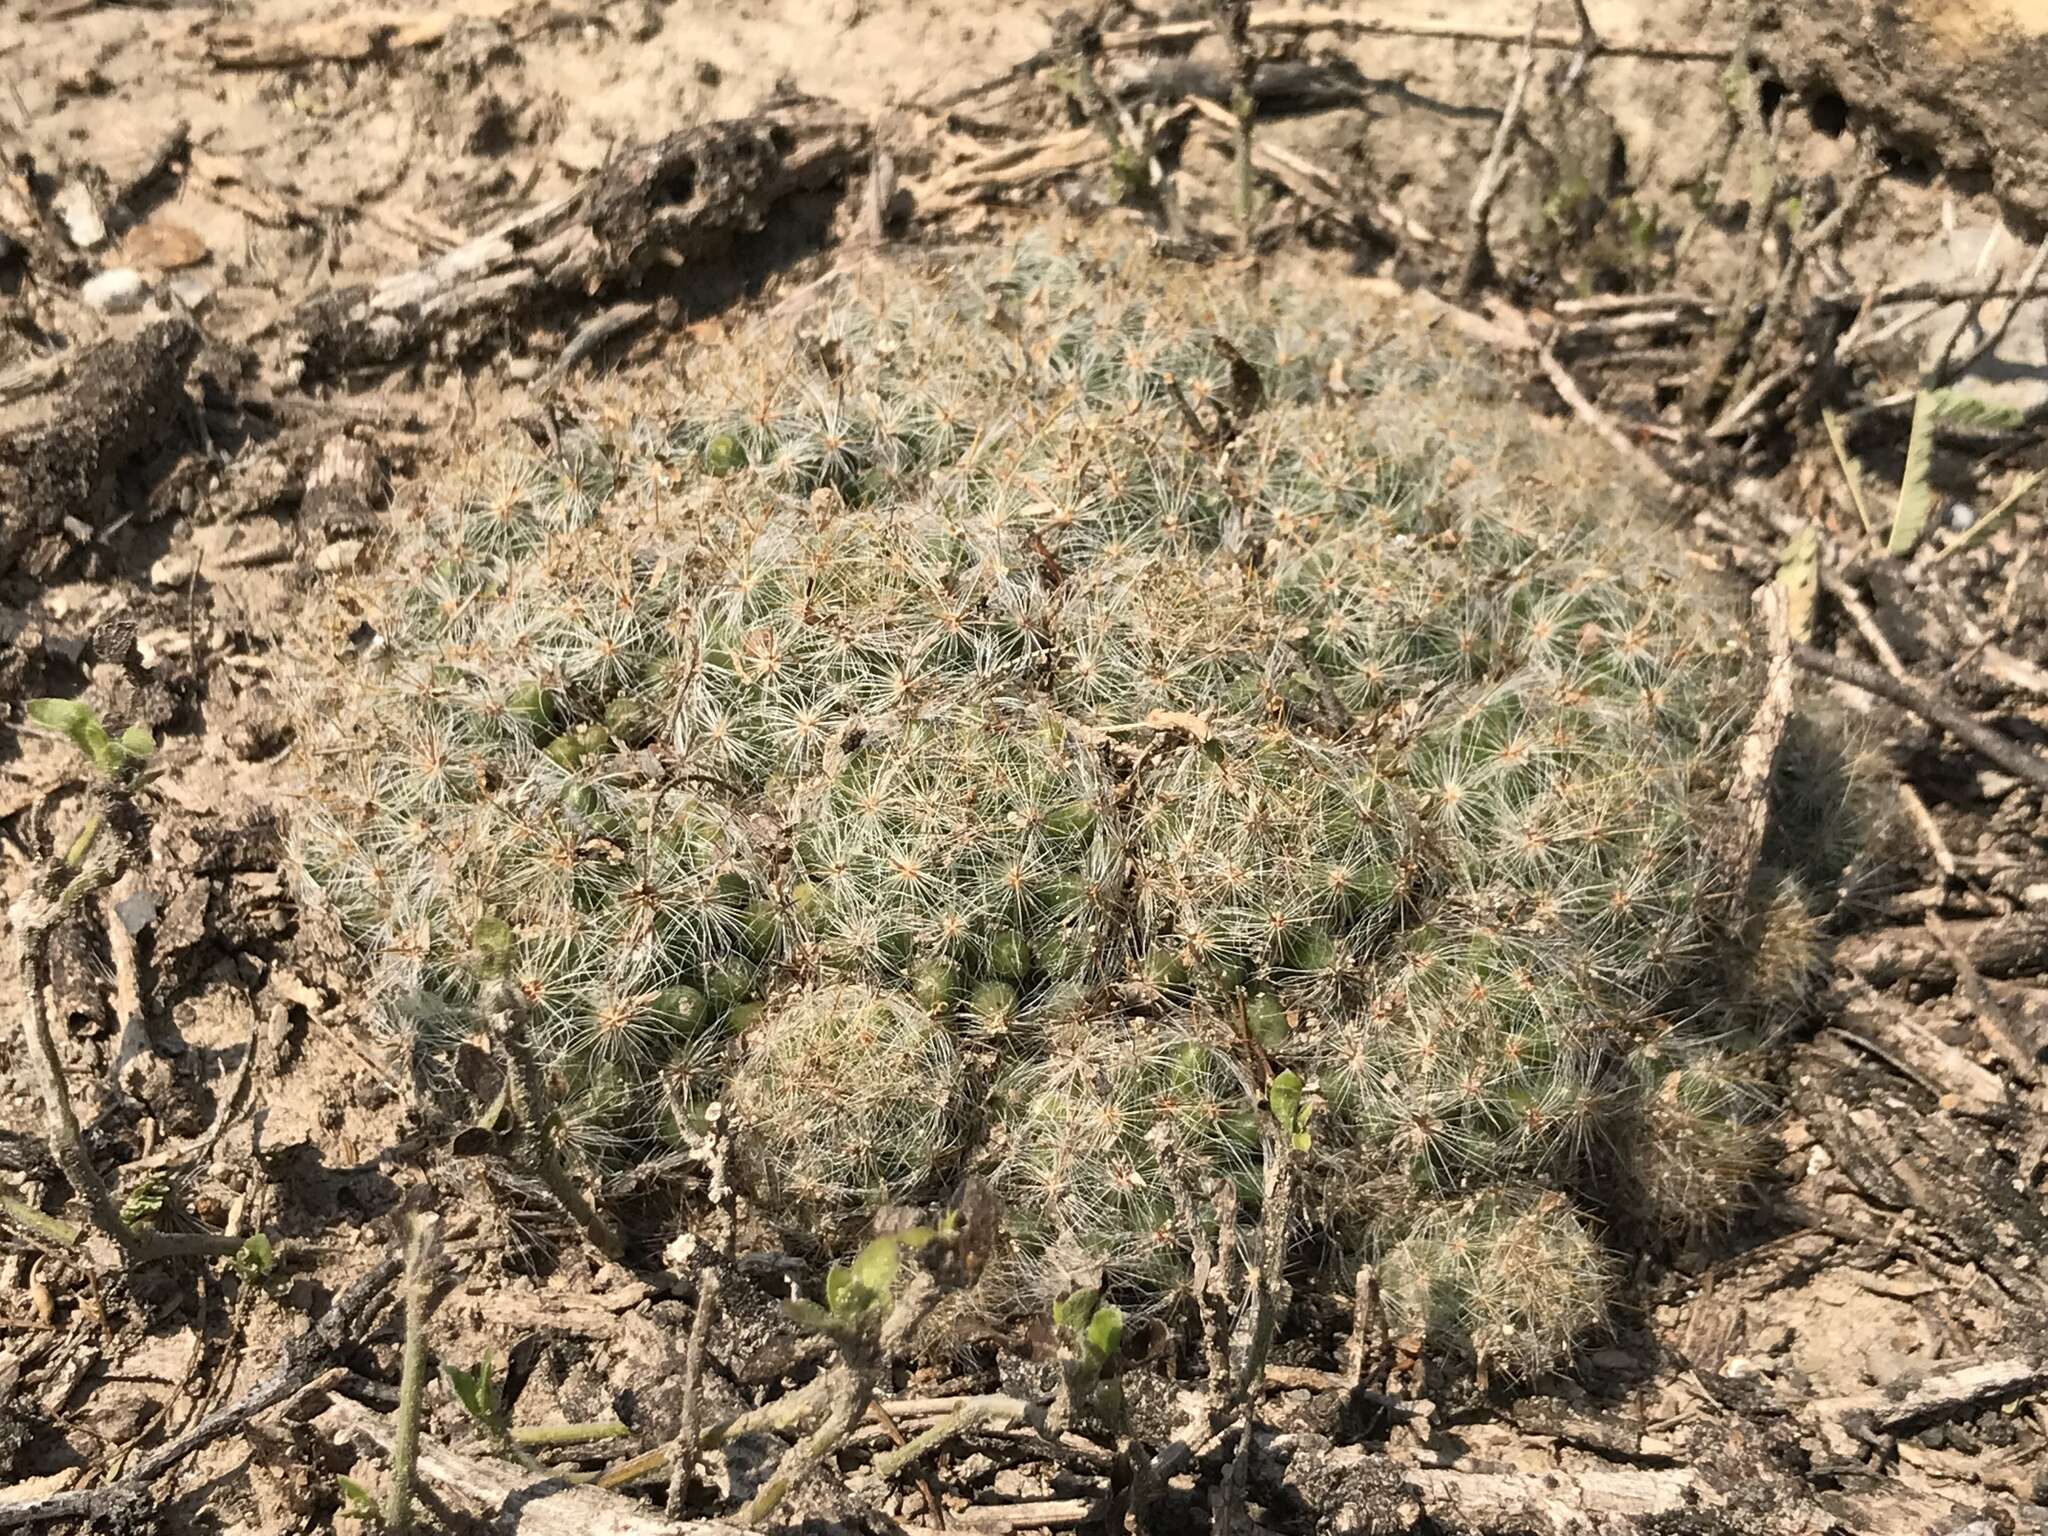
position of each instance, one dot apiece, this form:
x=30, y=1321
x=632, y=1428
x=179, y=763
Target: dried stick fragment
x=1493, y=175
x=1991, y=1017
x=422, y=1250
x=1589, y=44
x=683, y=1450
x=805, y=1456
x=1568, y=390
x=1310, y=182
x=1763, y=203
x=1944, y=1394
x=303, y=1358
x=2003, y=947
x=492, y=1495
x=109, y=410
x=2002, y=750
x=506, y=1016
x=596, y=332
x=1351, y=24
x=1930, y=833
x=664, y=202
x=551, y=1436
x=1234, y=18
x=1368, y=1341
x=33, y=918
x=992, y=1411
x=1758, y=754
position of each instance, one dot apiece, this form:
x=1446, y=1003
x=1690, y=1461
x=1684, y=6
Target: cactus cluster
x=994, y=720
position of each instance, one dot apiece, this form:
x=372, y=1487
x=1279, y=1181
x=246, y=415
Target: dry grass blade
x=1852, y=471
x=1983, y=528
x=1916, y=492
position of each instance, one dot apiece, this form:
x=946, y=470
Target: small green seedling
x=1092, y=1330
x=1091, y=1340
x=145, y=1202
x=357, y=1502
x=480, y=1393
x=255, y=1261
x=857, y=1294
x=121, y=759
x=1293, y=1107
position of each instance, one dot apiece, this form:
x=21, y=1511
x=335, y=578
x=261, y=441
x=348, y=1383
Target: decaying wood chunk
x=2000, y=946
x=669, y=201
x=66, y=441
x=499, y=1496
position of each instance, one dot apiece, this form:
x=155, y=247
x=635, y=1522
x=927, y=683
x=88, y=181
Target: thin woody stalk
x=421, y=1254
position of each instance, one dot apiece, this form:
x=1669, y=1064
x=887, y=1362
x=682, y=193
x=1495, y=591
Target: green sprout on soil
x=1072, y=725
x=111, y=834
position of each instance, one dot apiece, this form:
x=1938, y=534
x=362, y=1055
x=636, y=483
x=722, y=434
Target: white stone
x=341, y=555
x=117, y=291
x=74, y=205
x=174, y=569
x=136, y=912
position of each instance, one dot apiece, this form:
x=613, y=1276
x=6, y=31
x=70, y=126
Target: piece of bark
x=344, y=487
x=66, y=443
x=501, y=1496
x=1357, y=1492
x=129, y=1500
x=671, y=201
x=1750, y=795
x=1958, y=1389
x=2002, y=947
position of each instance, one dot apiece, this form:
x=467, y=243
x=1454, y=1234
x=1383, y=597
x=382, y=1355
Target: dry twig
x=1493, y=175
x=304, y=1356
x=2002, y=750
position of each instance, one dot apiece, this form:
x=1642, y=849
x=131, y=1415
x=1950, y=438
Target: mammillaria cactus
x=848, y=1098
x=1133, y=687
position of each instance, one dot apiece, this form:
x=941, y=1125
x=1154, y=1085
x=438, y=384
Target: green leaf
x=1953, y=408
x=356, y=1501
x=878, y=1265
x=65, y=716
x=145, y=1201
x=137, y=744
x=1285, y=1097
x=839, y=1285
x=475, y=1390
x=1071, y=1312
x=76, y=721
x=1916, y=494
x=255, y=1259
x=1105, y=1336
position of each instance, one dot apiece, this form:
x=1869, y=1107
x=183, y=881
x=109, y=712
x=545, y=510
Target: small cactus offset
x=1002, y=722
x=849, y=1098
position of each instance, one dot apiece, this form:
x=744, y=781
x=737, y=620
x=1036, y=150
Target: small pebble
x=81, y=216
x=341, y=555
x=117, y=291
x=174, y=569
